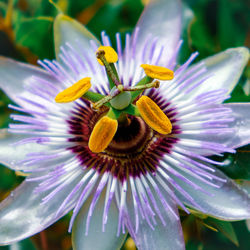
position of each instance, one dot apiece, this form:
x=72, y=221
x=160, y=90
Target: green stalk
x=145, y=80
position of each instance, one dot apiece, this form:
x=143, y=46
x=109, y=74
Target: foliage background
x=26, y=34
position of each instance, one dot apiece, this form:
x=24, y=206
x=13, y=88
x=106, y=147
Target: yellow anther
x=158, y=72
x=75, y=91
x=110, y=54
x=153, y=115
x=102, y=134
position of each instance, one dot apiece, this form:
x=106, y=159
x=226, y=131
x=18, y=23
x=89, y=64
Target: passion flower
x=130, y=146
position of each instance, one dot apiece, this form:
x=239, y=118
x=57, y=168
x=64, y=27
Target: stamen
x=101, y=102
x=110, y=54
x=155, y=84
x=106, y=99
x=75, y=91
x=102, y=134
x=153, y=115
x=158, y=72
x=109, y=66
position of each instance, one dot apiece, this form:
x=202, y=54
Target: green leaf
x=4, y=111
x=7, y=179
x=3, y=7
x=237, y=165
x=232, y=23
x=238, y=95
x=116, y=16
x=200, y=38
x=21, y=245
x=76, y=6
x=35, y=8
x=36, y=34
x=225, y=228
x=187, y=19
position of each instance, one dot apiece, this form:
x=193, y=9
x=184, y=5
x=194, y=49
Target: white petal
x=11, y=154
x=96, y=238
x=246, y=186
x=225, y=69
x=14, y=74
x=23, y=215
x=240, y=128
x=241, y=124
x=162, y=238
x=67, y=30
x=168, y=237
x=161, y=19
x=227, y=202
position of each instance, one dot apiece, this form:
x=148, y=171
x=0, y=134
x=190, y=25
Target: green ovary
x=121, y=101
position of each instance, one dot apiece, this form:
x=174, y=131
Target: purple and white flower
x=138, y=183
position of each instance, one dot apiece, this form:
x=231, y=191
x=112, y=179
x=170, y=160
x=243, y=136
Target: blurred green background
x=26, y=34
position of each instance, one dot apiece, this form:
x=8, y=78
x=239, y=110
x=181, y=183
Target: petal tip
x=69, y=30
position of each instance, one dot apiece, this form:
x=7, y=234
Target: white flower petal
x=67, y=30
x=168, y=237
x=161, y=19
x=227, y=202
x=241, y=124
x=14, y=74
x=11, y=154
x=162, y=238
x=96, y=238
x=225, y=69
x=23, y=215
x=239, y=134
x=246, y=186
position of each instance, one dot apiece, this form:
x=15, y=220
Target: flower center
x=130, y=140
x=135, y=149
x=111, y=130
